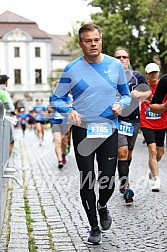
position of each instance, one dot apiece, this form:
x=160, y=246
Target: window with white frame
x=38, y=76
x=37, y=52
x=17, y=52
x=17, y=76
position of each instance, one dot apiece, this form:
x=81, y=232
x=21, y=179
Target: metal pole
x=1, y=156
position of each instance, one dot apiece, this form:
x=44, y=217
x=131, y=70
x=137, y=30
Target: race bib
x=125, y=128
x=99, y=130
x=151, y=115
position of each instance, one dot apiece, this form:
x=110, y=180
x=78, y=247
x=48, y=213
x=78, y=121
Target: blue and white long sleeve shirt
x=94, y=87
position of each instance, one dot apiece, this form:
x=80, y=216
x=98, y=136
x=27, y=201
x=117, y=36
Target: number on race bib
x=99, y=130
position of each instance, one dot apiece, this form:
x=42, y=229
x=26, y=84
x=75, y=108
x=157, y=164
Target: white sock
x=100, y=207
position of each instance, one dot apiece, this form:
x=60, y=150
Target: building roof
x=59, y=44
x=10, y=17
x=10, y=21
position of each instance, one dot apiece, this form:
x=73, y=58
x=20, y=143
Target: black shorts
x=31, y=121
x=41, y=122
x=154, y=136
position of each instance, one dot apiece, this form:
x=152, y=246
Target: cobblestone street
x=46, y=213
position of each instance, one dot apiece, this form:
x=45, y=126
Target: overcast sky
x=52, y=16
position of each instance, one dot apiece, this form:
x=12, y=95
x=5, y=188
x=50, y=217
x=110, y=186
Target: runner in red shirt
x=153, y=126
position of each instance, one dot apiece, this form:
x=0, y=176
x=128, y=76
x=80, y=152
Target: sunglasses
x=123, y=57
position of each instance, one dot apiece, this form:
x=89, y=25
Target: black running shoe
x=60, y=165
x=105, y=218
x=94, y=237
x=128, y=196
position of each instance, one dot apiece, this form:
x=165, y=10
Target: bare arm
x=158, y=108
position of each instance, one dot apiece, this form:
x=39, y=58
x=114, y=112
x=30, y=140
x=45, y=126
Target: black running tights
x=105, y=151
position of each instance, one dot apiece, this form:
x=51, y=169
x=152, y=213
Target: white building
x=28, y=55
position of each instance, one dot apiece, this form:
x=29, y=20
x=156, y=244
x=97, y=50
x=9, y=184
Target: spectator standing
x=8, y=104
x=129, y=123
x=94, y=79
x=153, y=126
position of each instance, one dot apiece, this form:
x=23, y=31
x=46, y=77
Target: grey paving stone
x=18, y=242
x=58, y=216
x=13, y=249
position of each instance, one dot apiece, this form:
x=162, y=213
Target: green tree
x=138, y=25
